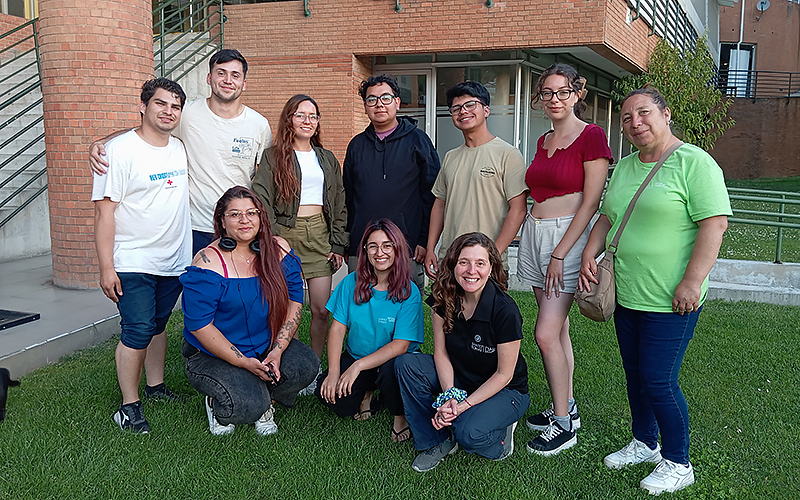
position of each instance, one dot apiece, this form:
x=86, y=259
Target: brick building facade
x=93, y=65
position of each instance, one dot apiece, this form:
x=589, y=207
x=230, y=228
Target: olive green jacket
x=284, y=213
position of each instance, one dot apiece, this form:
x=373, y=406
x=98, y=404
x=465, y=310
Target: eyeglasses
x=386, y=247
x=386, y=99
x=563, y=95
x=251, y=213
x=467, y=106
x=302, y=117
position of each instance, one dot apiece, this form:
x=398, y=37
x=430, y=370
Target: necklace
x=246, y=259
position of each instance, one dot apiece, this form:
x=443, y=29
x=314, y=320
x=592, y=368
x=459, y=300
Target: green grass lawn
x=740, y=378
x=751, y=242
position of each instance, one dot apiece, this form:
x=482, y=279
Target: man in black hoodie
x=388, y=172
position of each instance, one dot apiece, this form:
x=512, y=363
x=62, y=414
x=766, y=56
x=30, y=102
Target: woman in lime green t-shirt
x=661, y=266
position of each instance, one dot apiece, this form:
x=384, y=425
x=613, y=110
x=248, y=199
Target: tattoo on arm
x=237, y=352
x=288, y=328
x=203, y=256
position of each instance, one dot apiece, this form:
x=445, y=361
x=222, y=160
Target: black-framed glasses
x=467, y=106
x=563, y=94
x=302, y=117
x=386, y=99
x=386, y=247
x=251, y=213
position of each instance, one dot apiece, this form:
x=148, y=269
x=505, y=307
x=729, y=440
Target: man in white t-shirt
x=143, y=239
x=224, y=140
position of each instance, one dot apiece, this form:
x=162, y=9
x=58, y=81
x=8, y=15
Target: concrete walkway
x=70, y=319
x=75, y=319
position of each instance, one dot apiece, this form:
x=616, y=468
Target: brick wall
x=776, y=34
x=8, y=23
x=760, y=145
x=93, y=66
x=328, y=54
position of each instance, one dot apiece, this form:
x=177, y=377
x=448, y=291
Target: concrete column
x=95, y=56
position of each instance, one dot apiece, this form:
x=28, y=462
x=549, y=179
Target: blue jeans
x=479, y=430
x=240, y=397
x=652, y=346
x=145, y=306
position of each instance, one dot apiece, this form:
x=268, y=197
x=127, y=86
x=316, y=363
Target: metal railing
x=22, y=69
x=779, y=218
x=758, y=84
x=182, y=29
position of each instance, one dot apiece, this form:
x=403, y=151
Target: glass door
x=415, y=102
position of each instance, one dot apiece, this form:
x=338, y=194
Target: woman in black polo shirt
x=474, y=389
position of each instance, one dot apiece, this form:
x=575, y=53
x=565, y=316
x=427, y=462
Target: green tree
x=699, y=111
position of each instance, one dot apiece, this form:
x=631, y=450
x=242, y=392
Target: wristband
x=557, y=258
x=451, y=393
x=468, y=403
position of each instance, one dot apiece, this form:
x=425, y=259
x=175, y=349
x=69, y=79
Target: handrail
x=758, y=84
x=21, y=77
x=779, y=198
x=199, y=16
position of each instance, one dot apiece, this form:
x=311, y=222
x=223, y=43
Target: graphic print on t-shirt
x=242, y=147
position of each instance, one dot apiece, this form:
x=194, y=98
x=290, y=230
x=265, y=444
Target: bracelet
x=557, y=258
x=451, y=393
x=468, y=403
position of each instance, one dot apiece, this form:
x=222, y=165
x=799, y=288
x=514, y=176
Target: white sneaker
x=266, y=425
x=635, y=452
x=668, y=476
x=215, y=427
x=309, y=390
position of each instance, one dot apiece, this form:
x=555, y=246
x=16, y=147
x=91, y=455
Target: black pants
x=381, y=378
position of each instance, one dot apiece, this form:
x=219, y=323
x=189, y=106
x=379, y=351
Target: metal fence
x=779, y=217
x=758, y=84
x=182, y=29
x=22, y=148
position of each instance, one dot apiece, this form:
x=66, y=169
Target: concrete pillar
x=95, y=56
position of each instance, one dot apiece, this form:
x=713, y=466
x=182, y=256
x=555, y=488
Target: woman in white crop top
x=301, y=186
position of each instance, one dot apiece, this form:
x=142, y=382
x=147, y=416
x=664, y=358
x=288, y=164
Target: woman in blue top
x=242, y=300
x=380, y=311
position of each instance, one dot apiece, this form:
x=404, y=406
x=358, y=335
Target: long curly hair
x=575, y=81
x=447, y=293
x=400, y=274
x=283, y=173
x=268, y=260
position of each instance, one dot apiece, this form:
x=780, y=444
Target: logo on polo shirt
x=477, y=346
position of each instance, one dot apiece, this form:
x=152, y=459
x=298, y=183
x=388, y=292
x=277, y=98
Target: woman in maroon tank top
x=566, y=179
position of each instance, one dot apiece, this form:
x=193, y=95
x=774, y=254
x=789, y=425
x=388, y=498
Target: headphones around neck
x=228, y=244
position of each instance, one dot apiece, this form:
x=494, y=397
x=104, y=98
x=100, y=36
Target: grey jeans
x=240, y=397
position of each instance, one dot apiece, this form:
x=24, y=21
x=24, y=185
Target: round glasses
x=251, y=213
x=302, y=117
x=563, y=95
x=386, y=247
x=467, y=106
x=386, y=99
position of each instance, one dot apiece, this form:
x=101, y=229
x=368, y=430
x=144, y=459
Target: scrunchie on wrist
x=451, y=393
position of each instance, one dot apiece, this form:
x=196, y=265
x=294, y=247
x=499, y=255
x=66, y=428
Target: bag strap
x=615, y=240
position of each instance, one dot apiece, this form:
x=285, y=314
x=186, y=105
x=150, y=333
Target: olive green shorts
x=310, y=240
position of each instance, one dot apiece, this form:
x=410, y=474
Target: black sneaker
x=541, y=421
x=553, y=440
x=130, y=417
x=161, y=393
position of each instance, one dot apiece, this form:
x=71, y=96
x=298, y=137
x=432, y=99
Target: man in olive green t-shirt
x=481, y=186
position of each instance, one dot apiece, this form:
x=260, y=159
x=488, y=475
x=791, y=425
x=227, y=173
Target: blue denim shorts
x=145, y=306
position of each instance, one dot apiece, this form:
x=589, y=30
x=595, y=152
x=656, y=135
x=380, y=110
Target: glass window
x=501, y=83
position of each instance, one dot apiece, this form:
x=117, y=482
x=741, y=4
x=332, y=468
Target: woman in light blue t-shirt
x=379, y=310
